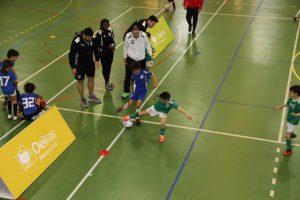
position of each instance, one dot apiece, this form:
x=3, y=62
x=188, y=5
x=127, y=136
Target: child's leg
x=138, y=109
x=9, y=105
x=162, y=129
x=139, y=114
x=288, y=141
x=127, y=105
x=15, y=106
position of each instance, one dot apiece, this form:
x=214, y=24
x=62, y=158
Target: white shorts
x=149, y=63
x=290, y=128
x=11, y=95
x=152, y=112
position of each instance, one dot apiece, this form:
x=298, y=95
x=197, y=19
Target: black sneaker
x=295, y=19
x=193, y=34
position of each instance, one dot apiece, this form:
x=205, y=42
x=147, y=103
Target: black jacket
x=103, y=39
x=81, y=52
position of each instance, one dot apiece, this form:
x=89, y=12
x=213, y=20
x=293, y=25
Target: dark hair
x=148, y=34
x=135, y=65
x=29, y=87
x=135, y=27
x=153, y=18
x=295, y=89
x=166, y=96
x=12, y=53
x=6, y=64
x=88, y=31
x=102, y=22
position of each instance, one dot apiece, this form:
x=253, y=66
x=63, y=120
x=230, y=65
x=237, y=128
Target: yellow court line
x=40, y=23
x=178, y=126
x=293, y=66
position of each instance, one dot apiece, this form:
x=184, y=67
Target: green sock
x=162, y=131
x=133, y=116
x=289, y=144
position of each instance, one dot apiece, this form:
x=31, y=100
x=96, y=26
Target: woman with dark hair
x=105, y=40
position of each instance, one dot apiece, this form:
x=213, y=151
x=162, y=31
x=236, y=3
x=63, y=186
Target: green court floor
x=229, y=78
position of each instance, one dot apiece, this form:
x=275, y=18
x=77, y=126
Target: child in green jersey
x=161, y=108
x=293, y=116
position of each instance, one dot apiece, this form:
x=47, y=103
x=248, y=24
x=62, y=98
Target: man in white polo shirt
x=135, y=43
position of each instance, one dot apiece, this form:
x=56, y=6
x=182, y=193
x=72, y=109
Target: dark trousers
x=192, y=13
x=128, y=72
x=106, y=62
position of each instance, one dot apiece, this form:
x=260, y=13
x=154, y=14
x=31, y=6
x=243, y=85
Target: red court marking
x=104, y=152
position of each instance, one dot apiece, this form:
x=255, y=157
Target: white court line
x=121, y=132
x=288, y=86
x=74, y=81
x=101, y=157
x=221, y=14
x=179, y=126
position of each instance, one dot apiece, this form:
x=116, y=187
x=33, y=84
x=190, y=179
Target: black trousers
x=192, y=13
x=106, y=62
x=128, y=72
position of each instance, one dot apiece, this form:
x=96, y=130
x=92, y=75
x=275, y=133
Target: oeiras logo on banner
x=27, y=157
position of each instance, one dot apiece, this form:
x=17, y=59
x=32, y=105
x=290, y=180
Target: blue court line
x=245, y=104
x=211, y=105
x=48, y=28
x=264, y=59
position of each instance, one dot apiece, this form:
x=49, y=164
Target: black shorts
x=87, y=70
x=28, y=117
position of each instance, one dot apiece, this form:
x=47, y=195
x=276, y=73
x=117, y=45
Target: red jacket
x=193, y=3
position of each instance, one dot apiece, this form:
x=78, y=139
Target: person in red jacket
x=193, y=8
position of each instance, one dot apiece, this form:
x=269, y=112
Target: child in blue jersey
x=12, y=55
x=9, y=84
x=31, y=102
x=140, y=78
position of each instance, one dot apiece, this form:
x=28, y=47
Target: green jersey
x=165, y=107
x=293, y=107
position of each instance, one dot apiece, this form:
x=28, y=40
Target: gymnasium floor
x=229, y=78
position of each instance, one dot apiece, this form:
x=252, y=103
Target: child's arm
x=280, y=107
x=38, y=101
x=182, y=111
x=155, y=82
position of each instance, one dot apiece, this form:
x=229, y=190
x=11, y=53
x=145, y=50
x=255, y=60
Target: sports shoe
x=138, y=121
x=15, y=118
x=125, y=95
x=9, y=116
x=287, y=153
x=109, y=86
x=295, y=19
x=161, y=139
x=193, y=34
x=190, y=28
x=93, y=98
x=84, y=103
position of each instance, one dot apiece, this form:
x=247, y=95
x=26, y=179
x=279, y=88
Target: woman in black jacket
x=105, y=40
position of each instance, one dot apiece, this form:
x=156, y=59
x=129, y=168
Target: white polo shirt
x=135, y=47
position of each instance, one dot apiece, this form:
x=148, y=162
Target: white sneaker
x=15, y=118
x=9, y=116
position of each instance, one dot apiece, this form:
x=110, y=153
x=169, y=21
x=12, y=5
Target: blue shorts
x=138, y=95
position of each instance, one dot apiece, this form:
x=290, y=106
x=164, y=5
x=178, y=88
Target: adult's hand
x=74, y=71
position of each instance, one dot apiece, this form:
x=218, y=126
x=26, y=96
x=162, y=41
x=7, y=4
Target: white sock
x=125, y=106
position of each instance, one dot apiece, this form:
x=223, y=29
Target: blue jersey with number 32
x=7, y=83
x=28, y=102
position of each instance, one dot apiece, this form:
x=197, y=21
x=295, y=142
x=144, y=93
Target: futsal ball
x=128, y=123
